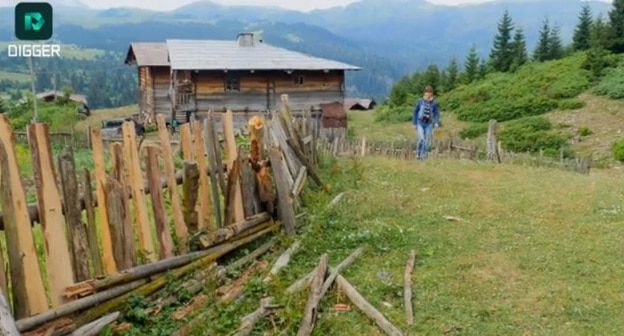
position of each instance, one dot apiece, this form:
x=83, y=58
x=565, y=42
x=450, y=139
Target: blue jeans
x=424, y=136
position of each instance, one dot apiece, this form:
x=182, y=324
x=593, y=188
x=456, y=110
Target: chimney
x=245, y=39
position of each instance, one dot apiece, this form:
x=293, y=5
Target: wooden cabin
x=244, y=75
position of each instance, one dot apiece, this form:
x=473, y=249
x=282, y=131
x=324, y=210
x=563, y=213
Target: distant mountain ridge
x=388, y=38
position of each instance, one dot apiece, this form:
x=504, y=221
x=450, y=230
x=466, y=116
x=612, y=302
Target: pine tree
x=616, y=27
x=471, y=66
x=599, y=36
x=542, y=50
x=483, y=70
x=582, y=31
x=432, y=77
x=520, y=55
x=555, y=47
x=2, y=106
x=452, y=72
x=502, y=51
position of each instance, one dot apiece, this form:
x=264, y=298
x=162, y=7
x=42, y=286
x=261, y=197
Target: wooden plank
x=121, y=227
x=133, y=167
x=231, y=200
x=251, y=203
x=94, y=250
x=407, y=288
x=217, y=151
x=77, y=230
x=170, y=174
x=29, y=296
x=211, y=150
x=158, y=206
x=190, y=185
x=186, y=142
x=285, y=202
x=97, y=147
x=204, y=215
x=231, y=156
x=309, y=315
x=50, y=213
x=255, y=125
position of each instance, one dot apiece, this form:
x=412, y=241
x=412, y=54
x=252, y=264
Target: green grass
x=525, y=259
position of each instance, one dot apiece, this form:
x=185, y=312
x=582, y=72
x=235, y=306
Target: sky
x=303, y=5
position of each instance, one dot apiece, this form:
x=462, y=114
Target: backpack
x=427, y=111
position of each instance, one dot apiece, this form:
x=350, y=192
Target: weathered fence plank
x=231, y=156
x=141, y=220
x=170, y=174
x=204, y=215
x=189, y=192
x=211, y=149
x=29, y=298
x=285, y=203
x=97, y=146
x=160, y=216
x=50, y=213
x=94, y=250
x=73, y=214
x=121, y=226
x=186, y=142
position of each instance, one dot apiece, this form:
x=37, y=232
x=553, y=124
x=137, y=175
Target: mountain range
x=388, y=38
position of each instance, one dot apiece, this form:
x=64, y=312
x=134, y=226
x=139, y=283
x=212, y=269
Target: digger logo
x=33, y=21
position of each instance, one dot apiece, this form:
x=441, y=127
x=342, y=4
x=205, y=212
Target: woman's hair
x=428, y=88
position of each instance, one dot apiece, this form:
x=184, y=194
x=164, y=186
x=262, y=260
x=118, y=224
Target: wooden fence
x=452, y=149
x=139, y=223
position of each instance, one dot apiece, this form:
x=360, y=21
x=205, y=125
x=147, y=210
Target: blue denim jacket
x=418, y=112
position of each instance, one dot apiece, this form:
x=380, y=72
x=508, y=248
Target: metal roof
x=148, y=54
x=229, y=55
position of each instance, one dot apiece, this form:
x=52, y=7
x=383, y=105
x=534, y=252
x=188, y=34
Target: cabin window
x=232, y=83
x=299, y=80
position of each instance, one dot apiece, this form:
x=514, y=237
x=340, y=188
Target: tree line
x=597, y=36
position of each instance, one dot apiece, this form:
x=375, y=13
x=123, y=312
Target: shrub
x=612, y=84
x=394, y=114
x=571, y=104
x=584, y=131
x=618, y=150
x=534, y=89
x=473, y=131
x=533, y=134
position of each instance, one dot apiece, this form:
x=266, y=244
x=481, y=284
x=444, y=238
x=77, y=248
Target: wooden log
x=174, y=198
x=116, y=297
x=73, y=214
x=135, y=180
x=253, y=255
x=189, y=192
x=303, y=281
x=186, y=142
x=7, y=323
x=255, y=126
x=50, y=213
x=285, y=203
x=249, y=321
x=283, y=260
x=92, y=238
x=366, y=307
x=160, y=282
x=158, y=206
x=236, y=228
x=231, y=152
x=309, y=314
x=96, y=327
x=77, y=305
x=97, y=146
x=311, y=171
x=121, y=227
x=211, y=150
x=407, y=288
x=204, y=211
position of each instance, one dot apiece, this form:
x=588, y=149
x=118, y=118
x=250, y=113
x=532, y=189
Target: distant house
x=359, y=104
x=185, y=77
x=49, y=96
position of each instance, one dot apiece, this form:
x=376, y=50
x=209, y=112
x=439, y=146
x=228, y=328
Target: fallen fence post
x=316, y=293
x=407, y=290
